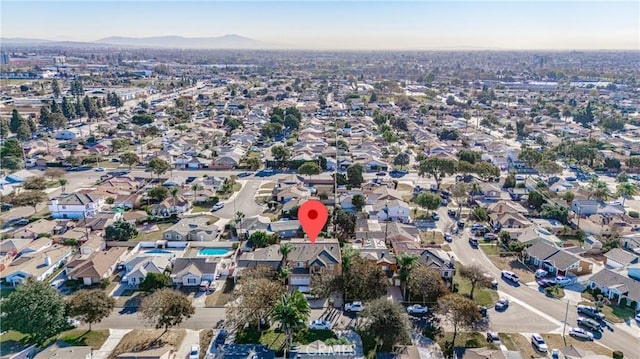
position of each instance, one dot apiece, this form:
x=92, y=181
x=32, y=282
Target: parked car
x=73, y=322
x=580, y=333
x=416, y=309
x=490, y=236
x=564, y=281
x=592, y=312
x=194, y=353
x=544, y=283
x=539, y=343
x=589, y=323
x=320, y=324
x=6, y=206
x=460, y=224
x=99, y=169
x=490, y=279
x=447, y=237
x=493, y=338
x=244, y=174
x=510, y=276
x=435, y=216
x=451, y=212
x=541, y=273
x=637, y=317
x=473, y=242
x=502, y=304
x=353, y=307
x=217, y=206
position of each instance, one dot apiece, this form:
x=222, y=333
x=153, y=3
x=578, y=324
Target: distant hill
x=21, y=41
x=221, y=42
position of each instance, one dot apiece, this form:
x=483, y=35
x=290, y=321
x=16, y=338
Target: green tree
x=91, y=305
x=622, y=177
x=429, y=201
x=77, y=88
x=285, y=250
x=120, y=144
x=475, y=275
x=387, y=321
x=57, y=120
x=405, y=264
x=280, y=153
x=68, y=109
x=548, y=168
x=530, y=156
x=45, y=117
x=568, y=196
x=510, y=181
x=154, y=281
x=158, y=166
x=461, y=312
x=486, y=170
x=355, y=175
x=402, y=159
x=559, y=213
x=166, y=308
x=16, y=121
x=598, y=189
x=30, y=198
x=358, y=201
x=130, y=159
x=626, y=190
x=55, y=88
x=4, y=129
x=437, y=168
x=292, y=311
x=363, y=280
x=120, y=231
x=346, y=222
x=174, y=191
x=469, y=156
x=254, y=163
x=32, y=304
x=259, y=239
x=270, y=130
x=35, y=182
x=426, y=284
x=12, y=163
x=536, y=199
x=309, y=169
x=158, y=193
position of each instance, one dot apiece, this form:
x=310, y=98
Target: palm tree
x=598, y=189
x=285, y=249
x=626, y=190
x=239, y=216
x=405, y=263
x=292, y=311
x=195, y=188
x=174, y=195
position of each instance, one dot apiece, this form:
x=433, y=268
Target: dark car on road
x=544, y=283
x=244, y=174
x=590, y=324
x=221, y=337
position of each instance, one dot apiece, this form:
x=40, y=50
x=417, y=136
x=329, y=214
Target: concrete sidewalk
x=115, y=335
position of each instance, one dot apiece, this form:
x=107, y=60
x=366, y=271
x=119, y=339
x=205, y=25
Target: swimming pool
x=213, y=252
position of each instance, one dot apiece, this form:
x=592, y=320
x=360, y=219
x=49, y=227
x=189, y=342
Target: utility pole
x=564, y=328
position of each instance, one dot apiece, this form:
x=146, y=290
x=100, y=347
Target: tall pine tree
x=68, y=110
x=16, y=121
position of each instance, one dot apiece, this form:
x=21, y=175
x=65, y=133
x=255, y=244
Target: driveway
x=191, y=337
x=115, y=335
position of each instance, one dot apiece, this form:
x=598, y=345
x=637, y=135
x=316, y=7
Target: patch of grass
x=432, y=237
x=484, y=296
x=445, y=247
x=11, y=342
x=308, y=336
x=515, y=341
x=274, y=339
x=267, y=186
x=463, y=339
x=555, y=341
x=221, y=297
x=489, y=249
x=152, y=236
x=201, y=207
x=205, y=338
x=555, y=292
x=512, y=264
x=403, y=187
x=262, y=200
x=138, y=340
x=612, y=313
x=81, y=337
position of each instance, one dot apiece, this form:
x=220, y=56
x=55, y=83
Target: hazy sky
x=508, y=24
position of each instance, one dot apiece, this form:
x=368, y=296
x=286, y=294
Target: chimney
x=47, y=261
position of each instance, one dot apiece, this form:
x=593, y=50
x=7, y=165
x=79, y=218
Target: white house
x=76, y=205
x=138, y=268
x=584, y=207
x=68, y=134
x=190, y=272
x=394, y=210
x=38, y=265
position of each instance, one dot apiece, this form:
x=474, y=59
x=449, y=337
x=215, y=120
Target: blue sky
x=512, y=24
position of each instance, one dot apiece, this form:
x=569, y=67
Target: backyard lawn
x=154, y=235
x=11, y=342
x=81, y=337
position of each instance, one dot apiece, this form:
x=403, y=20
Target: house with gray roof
x=554, y=260
x=306, y=259
x=250, y=225
x=618, y=288
x=618, y=258
x=138, y=267
x=76, y=205
x=261, y=257
x=198, y=228
x=190, y=272
x=285, y=229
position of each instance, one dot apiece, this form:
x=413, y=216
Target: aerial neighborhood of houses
x=480, y=206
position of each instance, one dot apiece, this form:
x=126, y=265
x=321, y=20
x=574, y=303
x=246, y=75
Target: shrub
x=618, y=354
x=634, y=214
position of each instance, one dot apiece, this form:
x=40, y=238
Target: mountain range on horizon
x=230, y=41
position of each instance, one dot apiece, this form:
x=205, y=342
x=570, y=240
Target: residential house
x=169, y=206
x=618, y=258
x=322, y=257
x=100, y=221
x=502, y=206
x=479, y=353
x=584, y=207
x=38, y=265
x=508, y=220
x=393, y=210
x=163, y=352
x=34, y=229
x=192, y=229
x=190, y=272
x=138, y=267
x=97, y=266
x=285, y=229
x=76, y=205
x=617, y=287
x=534, y=234
x=68, y=134
x=261, y=257
x=134, y=217
x=631, y=242
x=251, y=224
x=216, y=183
x=555, y=260
x=437, y=259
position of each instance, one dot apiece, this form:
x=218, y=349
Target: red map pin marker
x=313, y=216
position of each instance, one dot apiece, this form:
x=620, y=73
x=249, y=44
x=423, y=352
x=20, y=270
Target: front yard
x=221, y=297
x=613, y=313
x=511, y=263
x=515, y=341
x=138, y=340
x=484, y=296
